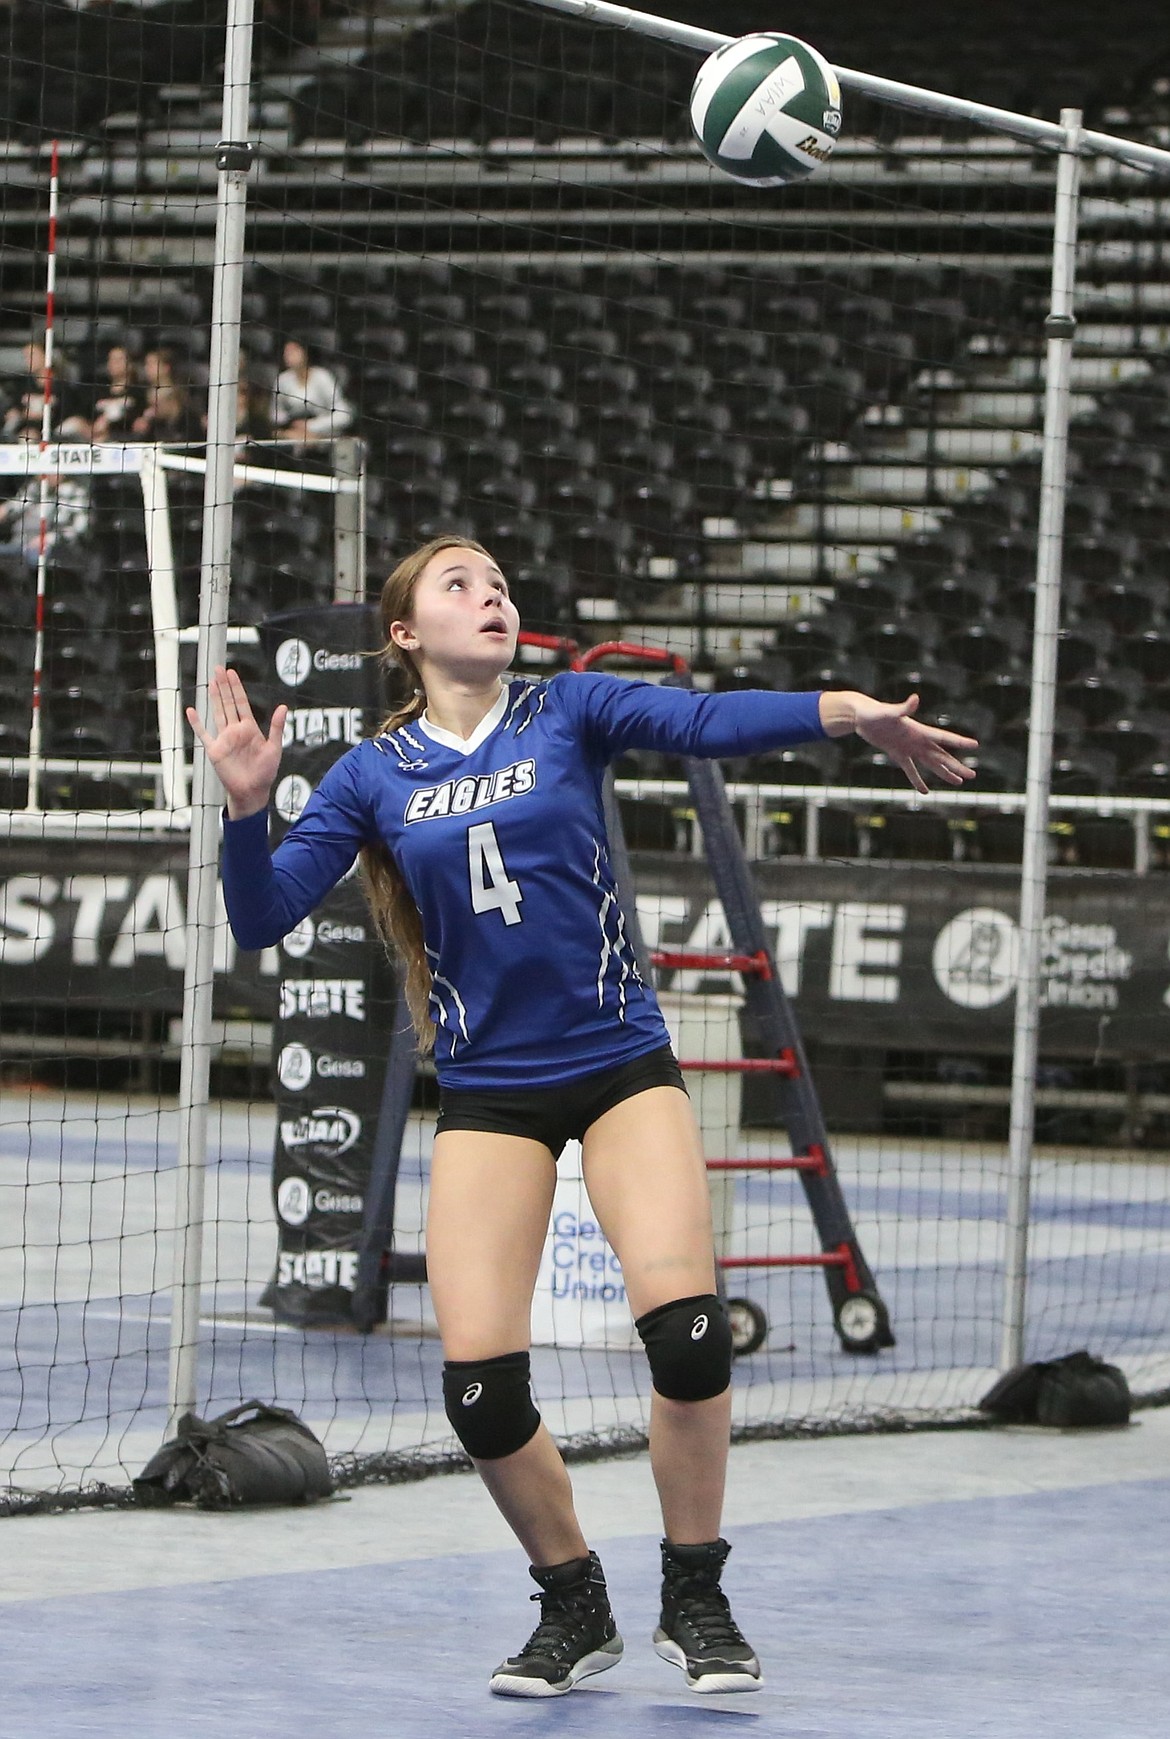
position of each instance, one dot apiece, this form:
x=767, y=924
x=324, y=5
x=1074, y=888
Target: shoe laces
x=705, y=1607
x=564, y=1617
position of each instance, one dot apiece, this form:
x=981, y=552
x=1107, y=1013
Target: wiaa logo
x=331, y=1129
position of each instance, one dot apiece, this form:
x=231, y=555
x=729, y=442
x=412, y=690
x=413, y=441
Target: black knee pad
x=489, y=1403
x=688, y=1344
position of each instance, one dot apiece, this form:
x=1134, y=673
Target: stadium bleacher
x=666, y=439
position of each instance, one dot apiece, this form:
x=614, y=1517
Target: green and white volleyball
x=766, y=109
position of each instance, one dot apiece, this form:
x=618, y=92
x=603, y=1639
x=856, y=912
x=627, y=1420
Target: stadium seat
x=415, y=451
x=518, y=539
x=1084, y=771
x=802, y=764
x=433, y=345
x=583, y=492
x=900, y=640
x=1005, y=691
x=506, y=491
x=1079, y=646
x=1149, y=777
x=1137, y=736
x=421, y=497
x=641, y=456
x=1131, y=603
x=598, y=548
x=986, y=644
x=541, y=420
x=810, y=640
x=999, y=767
x=559, y=457
x=1148, y=653
x=604, y=382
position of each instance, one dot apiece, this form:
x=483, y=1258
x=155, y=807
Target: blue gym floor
x=1013, y=1584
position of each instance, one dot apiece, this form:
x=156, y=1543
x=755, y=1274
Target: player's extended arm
x=618, y=714
x=267, y=894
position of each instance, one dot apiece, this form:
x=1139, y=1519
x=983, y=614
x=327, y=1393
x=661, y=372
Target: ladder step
x=814, y=1160
x=784, y=1064
x=672, y=959
x=823, y=1259
x=841, y=1256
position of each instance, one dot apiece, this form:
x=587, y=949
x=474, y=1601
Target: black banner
x=925, y=956
x=910, y=956
x=336, y=991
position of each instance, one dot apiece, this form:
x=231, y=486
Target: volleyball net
x=480, y=280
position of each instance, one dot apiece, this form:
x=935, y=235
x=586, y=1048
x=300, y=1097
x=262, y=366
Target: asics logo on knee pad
x=688, y=1344
x=489, y=1404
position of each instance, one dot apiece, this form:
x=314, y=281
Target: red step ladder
x=860, y=1316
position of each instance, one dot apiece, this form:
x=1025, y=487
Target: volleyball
x=766, y=109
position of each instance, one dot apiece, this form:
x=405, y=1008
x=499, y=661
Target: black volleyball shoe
x=697, y=1632
x=576, y=1635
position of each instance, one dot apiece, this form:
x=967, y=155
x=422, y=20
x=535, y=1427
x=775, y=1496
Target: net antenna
x=34, y=734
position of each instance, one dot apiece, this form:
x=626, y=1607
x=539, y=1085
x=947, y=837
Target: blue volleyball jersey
x=502, y=843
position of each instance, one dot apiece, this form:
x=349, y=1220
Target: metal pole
x=883, y=90
x=349, y=523
x=1059, y=327
x=233, y=159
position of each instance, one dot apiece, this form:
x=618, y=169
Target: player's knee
x=489, y=1403
x=688, y=1344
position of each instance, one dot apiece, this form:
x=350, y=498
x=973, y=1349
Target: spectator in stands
x=22, y=421
x=167, y=414
x=123, y=402
x=307, y=402
x=66, y=516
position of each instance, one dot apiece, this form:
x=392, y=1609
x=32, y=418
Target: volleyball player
x=477, y=812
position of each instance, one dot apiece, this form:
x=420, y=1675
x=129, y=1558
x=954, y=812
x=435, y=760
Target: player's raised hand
x=911, y=745
x=245, y=758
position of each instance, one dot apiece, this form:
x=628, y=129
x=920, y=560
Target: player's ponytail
x=395, y=914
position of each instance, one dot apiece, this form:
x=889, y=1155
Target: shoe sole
x=517, y=1685
x=708, y=1684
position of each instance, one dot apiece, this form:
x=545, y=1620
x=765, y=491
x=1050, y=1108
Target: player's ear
x=403, y=636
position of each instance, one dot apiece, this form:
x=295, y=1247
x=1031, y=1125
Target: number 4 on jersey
x=491, y=890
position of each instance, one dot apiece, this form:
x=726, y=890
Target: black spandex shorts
x=555, y=1115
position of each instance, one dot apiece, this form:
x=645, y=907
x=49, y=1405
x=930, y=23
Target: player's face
x=463, y=620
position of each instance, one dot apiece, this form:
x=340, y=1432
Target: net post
x=233, y=160
x=349, y=522
x=1060, y=329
